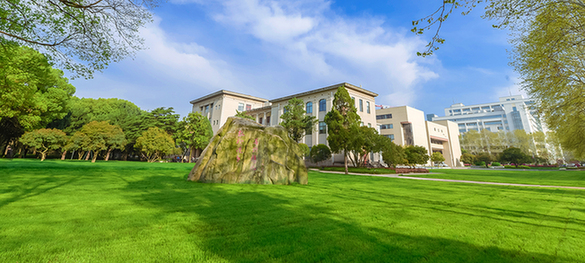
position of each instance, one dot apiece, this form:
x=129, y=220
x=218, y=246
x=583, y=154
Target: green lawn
x=542, y=177
x=139, y=212
x=360, y=170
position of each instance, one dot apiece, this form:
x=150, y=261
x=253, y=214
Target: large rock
x=245, y=152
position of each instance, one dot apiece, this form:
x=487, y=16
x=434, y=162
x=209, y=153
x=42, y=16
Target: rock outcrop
x=244, y=152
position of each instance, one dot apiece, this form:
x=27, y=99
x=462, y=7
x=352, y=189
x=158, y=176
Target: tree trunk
x=125, y=156
x=43, y=155
x=95, y=154
x=345, y=161
x=108, y=154
x=19, y=152
x=87, y=156
x=63, y=155
x=6, y=149
x=190, y=154
x=80, y=155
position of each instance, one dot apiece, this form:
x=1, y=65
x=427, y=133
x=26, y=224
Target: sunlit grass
x=540, y=177
x=138, y=212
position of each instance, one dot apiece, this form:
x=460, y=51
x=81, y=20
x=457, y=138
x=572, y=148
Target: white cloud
x=313, y=39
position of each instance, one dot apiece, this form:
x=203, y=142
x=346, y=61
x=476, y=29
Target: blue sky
x=272, y=49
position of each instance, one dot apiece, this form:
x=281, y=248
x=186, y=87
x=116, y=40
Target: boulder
x=245, y=152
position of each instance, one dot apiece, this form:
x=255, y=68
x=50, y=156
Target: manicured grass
x=360, y=170
x=529, y=176
x=138, y=212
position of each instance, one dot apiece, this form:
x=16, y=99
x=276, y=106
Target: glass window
x=361, y=105
x=322, y=127
x=260, y=120
x=386, y=126
x=369, y=125
x=391, y=136
x=367, y=106
x=240, y=106
x=383, y=117
x=309, y=107
x=323, y=105
x=248, y=107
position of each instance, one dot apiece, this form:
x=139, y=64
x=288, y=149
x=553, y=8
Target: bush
x=319, y=153
x=479, y=163
x=519, y=167
x=496, y=164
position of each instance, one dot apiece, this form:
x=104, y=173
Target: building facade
x=407, y=126
x=510, y=113
x=220, y=105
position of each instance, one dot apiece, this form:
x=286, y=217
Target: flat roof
x=347, y=85
x=227, y=92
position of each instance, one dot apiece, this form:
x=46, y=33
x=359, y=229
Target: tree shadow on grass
x=33, y=187
x=246, y=223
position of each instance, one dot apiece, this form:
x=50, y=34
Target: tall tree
x=514, y=155
x=364, y=140
x=32, y=93
x=340, y=121
x=195, y=132
x=163, y=118
x=549, y=54
x=80, y=36
x=295, y=120
x=44, y=140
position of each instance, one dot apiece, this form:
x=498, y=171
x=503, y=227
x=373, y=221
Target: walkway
x=454, y=181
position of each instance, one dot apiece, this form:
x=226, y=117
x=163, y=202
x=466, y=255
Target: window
x=248, y=107
x=322, y=127
x=322, y=105
x=240, y=107
x=383, y=117
x=386, y=126
x=367, y=106
x=361, y=105
x=309, y=107
x=267, y=120
x=391, y=136
x=353, y=99
x=284, y=110
x=260, y=120
x=362, y=123
x=369, y=125
x=514, y=109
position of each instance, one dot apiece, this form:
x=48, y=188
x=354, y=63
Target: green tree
x=243, y=114
x=32, y=93
x=364, y=140
x=437, y=157
x=195, y=132
x=468, y=158
x=549, y=55
x=44, y=140
x=154, y=144
x=80, y=36
x=305, y=149
x=392, y=154
x=341, y=120
x=101, y=136
x=514, y=155
x=163, y=118
x=295, y=120
x=415, y=154
x=484, y=157
x=320, y=153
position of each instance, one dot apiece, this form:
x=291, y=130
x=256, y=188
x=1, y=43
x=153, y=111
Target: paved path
x=454, y=181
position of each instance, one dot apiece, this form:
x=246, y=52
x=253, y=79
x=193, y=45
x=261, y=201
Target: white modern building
x=407, y=126
x=510, y=113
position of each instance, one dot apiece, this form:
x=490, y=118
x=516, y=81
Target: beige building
x=407, y=126
x=219, y=106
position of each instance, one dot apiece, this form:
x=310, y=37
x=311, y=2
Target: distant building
x=510, y=113
x=407, y=126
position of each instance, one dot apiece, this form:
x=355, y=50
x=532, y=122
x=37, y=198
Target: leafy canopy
x=44, y=140
x=80, y=36
x=154, y=144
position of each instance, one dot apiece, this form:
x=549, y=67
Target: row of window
x=384, y=116
x=386, y=126
x=241, y=107
x=323, y=106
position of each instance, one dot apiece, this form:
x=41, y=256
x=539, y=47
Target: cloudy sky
x=275, y=48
